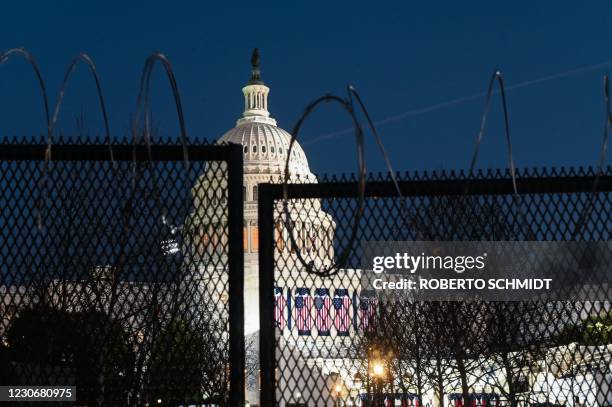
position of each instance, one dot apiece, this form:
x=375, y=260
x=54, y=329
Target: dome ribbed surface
x=266, y=144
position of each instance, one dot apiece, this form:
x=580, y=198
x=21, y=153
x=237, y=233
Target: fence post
x=267, y=343
x=236, y=275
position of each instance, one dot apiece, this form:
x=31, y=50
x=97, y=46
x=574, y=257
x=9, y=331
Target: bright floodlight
x=378, y=369
x=170, y=246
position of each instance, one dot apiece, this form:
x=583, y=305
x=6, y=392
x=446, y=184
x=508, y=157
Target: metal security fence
x=122, y=274
x=327, y=340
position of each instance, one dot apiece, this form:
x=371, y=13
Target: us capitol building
x=265, y=147
x=314, y=350
x=319, y=320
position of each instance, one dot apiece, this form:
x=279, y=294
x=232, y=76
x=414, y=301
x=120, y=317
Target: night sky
x=407, y=59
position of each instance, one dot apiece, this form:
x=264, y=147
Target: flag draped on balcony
x=303, y=311
x=342, y=316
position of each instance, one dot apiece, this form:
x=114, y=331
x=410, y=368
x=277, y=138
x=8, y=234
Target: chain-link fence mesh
x=329, y=341
x=123, y=289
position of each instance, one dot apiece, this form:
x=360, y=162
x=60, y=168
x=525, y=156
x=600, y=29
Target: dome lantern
x=255, y=96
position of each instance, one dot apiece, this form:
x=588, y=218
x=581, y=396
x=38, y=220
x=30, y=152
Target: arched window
x=254, y=239
x=272, y=149
x=292, y=242
x=255, y=192
x=246, y=149
x=307, y=235
x=254, y=148
x=280, y=242
x=303, y=239
x=263, y=149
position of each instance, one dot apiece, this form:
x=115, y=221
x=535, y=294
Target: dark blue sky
x=402, y=56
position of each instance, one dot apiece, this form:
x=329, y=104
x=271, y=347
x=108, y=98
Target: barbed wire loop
x=143, y=107
x=347, y=106
x=43, y=90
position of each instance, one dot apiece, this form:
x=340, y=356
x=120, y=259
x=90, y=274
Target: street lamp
x=377, y=372
x=378, y=369
x=337, y=392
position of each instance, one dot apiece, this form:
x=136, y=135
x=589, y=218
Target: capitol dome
x=265, y=145
x=310, y=240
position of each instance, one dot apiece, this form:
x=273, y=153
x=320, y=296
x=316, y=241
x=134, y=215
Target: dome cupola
x=265, y=145
x=255, y=96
